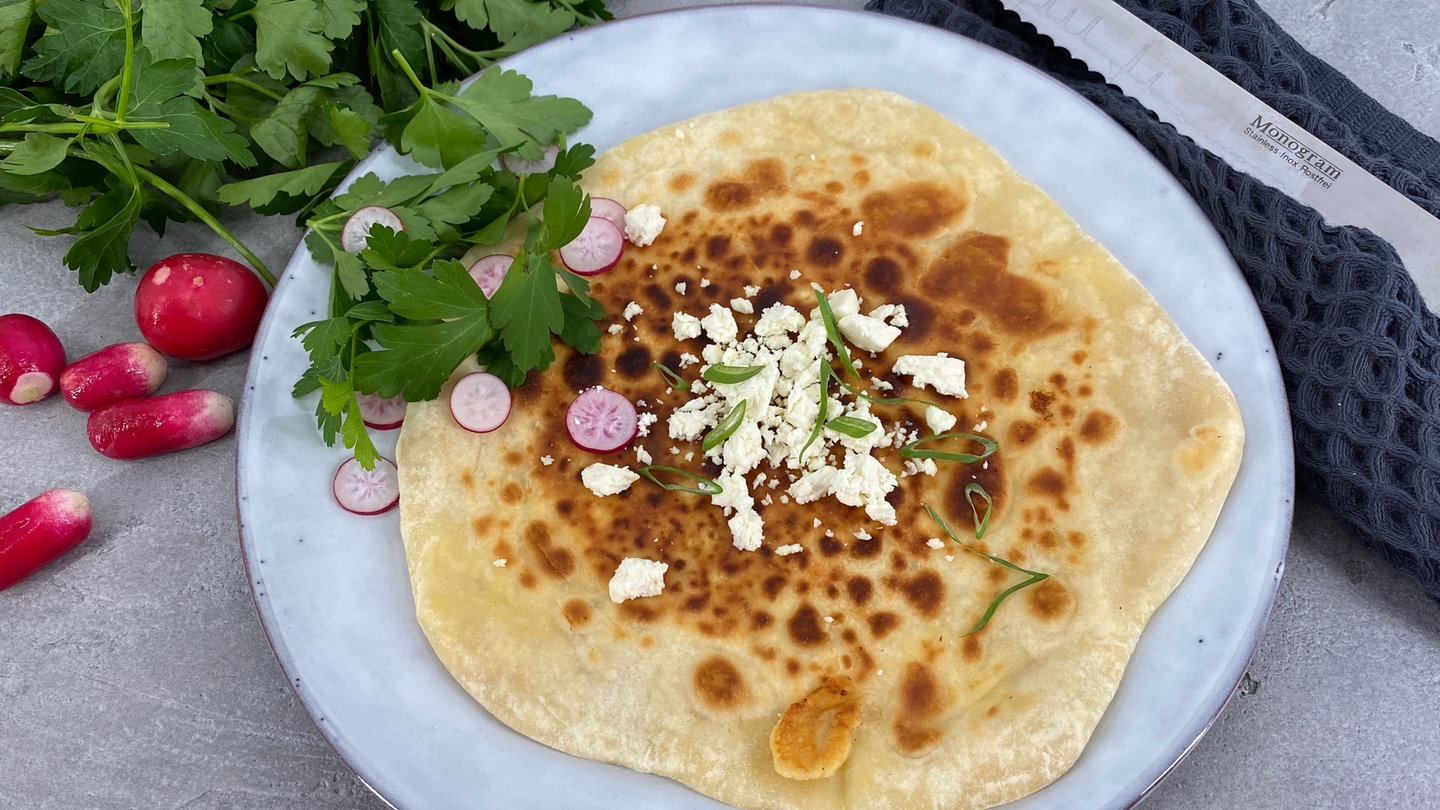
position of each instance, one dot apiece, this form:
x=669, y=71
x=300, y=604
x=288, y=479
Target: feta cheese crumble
x=643, y=223
x=607, y=479
x=939, y=421
x=631, y=310
x=636, y=577
x=944, y=374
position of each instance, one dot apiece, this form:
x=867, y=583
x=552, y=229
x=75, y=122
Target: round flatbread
x=825, y=659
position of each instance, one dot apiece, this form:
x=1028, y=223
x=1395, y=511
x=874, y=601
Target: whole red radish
x=39, y=530
x=31, y=359
x=121, y=371
x=197, y=306
x=148, y=426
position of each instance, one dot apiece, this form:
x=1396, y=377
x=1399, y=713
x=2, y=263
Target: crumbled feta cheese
x=642, y=455
x=742, y=306
x=615, y=328
x=746, y=529
x=688, y=359
x=935, y=542
x=720, y=325
x=858, y=229
x=939, y=421
x=778, y=319
x=645, y=421
x=867, y=333
x=787, y=550
x=681, y=287
x=643, y=223
x=499, y=562
x=751, y=290
x=607, y=479
x=893, y=314
x=631, y=310
x=943, y=373
x=980, y=426
x=794, y=274
x=547, y=460
x=636, y=577
x=685, y=326
x=704, y=282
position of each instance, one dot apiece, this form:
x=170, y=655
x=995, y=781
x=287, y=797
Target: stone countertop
x=134, y=672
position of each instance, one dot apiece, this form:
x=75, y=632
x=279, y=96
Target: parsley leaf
x=288, y=38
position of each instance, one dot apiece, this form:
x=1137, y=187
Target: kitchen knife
x=1245, y=132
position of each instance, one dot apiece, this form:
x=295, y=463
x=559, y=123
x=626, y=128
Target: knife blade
x=1250, y=135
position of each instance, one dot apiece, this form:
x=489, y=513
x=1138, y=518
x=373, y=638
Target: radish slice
x=382, y=413
x=480, y=402
x=514, y=163
x=601, y=420
x=609, y=209
x=597, y=249
x=489, y=271
x=367, y=492
x=355, y=235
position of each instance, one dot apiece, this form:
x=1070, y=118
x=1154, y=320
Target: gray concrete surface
x=134, y=672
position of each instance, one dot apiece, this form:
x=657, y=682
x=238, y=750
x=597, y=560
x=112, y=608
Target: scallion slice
x=825, y=374
x=724, y=428
x=1034, y=576
x=832, y=331
x=677, y=382
x=730, y=374
x=705, y=485
x=913, y=449
x=874, y=400
x=982, y=522
x=852, y=426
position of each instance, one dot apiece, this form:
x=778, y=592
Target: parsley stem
x=162, y=185
x=240, y=80
x=128, y=66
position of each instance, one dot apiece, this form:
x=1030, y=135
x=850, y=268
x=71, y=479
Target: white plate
x=333, y=591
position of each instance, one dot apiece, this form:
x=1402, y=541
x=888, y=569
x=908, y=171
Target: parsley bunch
x=153, y=111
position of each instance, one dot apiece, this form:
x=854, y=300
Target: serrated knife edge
x=1250, y=135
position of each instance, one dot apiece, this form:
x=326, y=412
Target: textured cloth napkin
x=1359, y=351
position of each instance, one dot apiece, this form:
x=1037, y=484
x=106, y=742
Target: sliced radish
x=367, y=492
x=601, y=420
x=489, y=271
x=519, y=165
x=355, y=235
x=610, y=209
x=382, y=413
x=597, y=249
x=480, y=402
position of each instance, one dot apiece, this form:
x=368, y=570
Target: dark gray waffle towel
x=1359, y=351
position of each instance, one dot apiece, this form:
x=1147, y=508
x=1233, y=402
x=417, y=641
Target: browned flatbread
x=842, y=675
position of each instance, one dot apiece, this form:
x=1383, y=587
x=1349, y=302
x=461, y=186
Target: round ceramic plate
x=333, y=590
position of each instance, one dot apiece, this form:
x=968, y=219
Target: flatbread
x=1118, y=443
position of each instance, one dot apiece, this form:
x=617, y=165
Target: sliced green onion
x=913, y=449
x=705, y=487
x=724, y=428
x=874, y=400
x=982, y=523
x=677, y=382
x=832, y=331
x=1034, y=576
x=825, y=374
x=852, y=426
x=730, y=374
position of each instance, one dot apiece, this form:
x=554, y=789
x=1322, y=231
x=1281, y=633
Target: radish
x=148, y=426
x=366, y=492
x=197, y=306
x=39, y=530
x=121, y=371
x=519, y=165
x=597, y=249
x=31, y=359
x=601, y=420
x=382, y=413
x=480, y=402
x=355, y=234
x=489, y=271
x=609, y=209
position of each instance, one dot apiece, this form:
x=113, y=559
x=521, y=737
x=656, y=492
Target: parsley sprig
x=171, y=110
